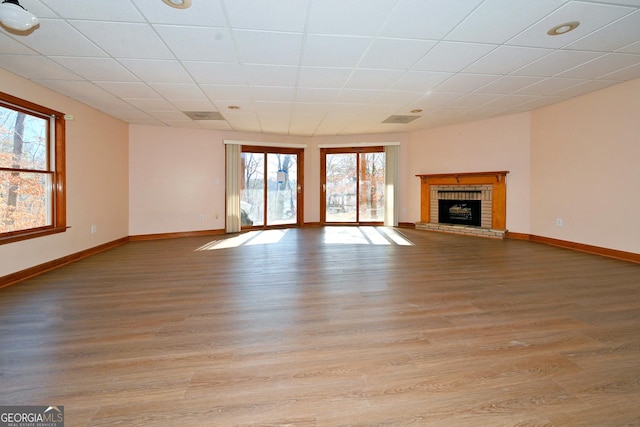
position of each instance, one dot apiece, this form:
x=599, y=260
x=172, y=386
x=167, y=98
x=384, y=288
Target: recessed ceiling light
x=563, y=28
x=178, y=4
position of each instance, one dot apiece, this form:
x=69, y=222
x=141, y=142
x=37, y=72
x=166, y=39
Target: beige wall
x=176, y=175
x=497, y=144
x=585, y=169
x=97, y=180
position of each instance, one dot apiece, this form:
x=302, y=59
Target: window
x=32, y=184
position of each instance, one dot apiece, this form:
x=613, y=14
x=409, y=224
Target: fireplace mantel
x=497, y=180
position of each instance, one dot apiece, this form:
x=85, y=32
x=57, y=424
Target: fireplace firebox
x=464, y=212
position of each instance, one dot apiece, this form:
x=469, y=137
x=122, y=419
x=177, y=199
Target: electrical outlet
x=559, y=222
x=94, y=229
x=201, y=217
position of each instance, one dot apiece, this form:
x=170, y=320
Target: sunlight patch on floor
x=262, y=237
x=364, y=236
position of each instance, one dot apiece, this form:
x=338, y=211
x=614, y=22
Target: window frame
x=55, y=146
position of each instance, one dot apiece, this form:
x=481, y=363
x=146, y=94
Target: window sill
x=10, y=238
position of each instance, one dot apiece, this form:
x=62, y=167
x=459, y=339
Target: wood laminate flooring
x=335, y=326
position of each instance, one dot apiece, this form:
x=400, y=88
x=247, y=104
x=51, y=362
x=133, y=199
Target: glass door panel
x=341, y=187
x=353, y=185
x=371, y=194
x=252, y=190
x=282, y=189
x=271, y=186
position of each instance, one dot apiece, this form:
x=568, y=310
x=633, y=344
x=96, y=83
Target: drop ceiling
x=323, y=67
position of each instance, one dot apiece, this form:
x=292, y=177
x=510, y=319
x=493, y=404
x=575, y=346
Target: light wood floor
x=328, y=327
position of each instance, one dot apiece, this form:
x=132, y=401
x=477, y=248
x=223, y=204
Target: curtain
x=391, y=182
x=232, y=179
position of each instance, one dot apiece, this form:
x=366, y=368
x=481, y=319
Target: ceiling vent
x=400, y=119
x=203, y=115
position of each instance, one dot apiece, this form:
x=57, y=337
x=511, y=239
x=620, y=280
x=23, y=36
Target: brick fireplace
x=474, y=201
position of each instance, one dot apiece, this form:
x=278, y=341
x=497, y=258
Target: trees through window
x=32, y=187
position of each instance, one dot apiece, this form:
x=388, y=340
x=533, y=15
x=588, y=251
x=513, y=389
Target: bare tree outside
x=24, y=180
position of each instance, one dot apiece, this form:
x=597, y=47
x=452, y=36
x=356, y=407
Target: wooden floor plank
x=337, y=326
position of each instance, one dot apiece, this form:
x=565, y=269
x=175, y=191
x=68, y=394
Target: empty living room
x=319, y=213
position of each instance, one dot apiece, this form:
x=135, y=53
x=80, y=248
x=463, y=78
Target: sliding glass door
x=353, y=182
x=271, y=186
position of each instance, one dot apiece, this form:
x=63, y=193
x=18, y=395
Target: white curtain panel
x=233, y=187
x=391, y=182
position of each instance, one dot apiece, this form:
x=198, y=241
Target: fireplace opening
x=464, y=212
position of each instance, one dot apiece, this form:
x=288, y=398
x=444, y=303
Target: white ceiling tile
x=157, y=71
x=356, y=18
x=172, y=91
x=465, y=83
x=394, y=54
x=496, y=21
x=634, y=3
x=57, y=38
x=169, y=115
x=587, y=87
x=509, y=84
x=129, y=89
x=153, y=105
x=13, y=47
x=201, y=13
x=315, y=77
x=601, y=66
x=420, y=80
x=271, y=75
x=283, y=15
x=437, y=99
x=95, y=10
x=509, y=101
x=631, y=48
x=542, y=101
x=505, y=59
x=243, y=121
x=373, y=79
x=357, y=96
x=426, y=19
x=274, y=122
x=107, y=104
x=125, y=40
x=398, y=97
x=333, y=51
x=101, y=69
x=307, y=94
x=277, y=107
x=625, y=74
x=273, y=94
x=221, y=92
x=591, y=17
x=474, y=100
x=75, y=88
x=550, y=86
x=239, y=106
x=612, y=37
x=222, y=73
x=262, y=47
x=556, y=62
x=198, y=43
x=193, y=105
x=37, y=67
x=213, y=124
x=453, y=56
